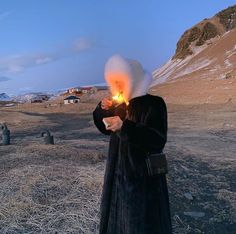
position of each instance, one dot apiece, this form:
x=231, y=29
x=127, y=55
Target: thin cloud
x=4, y=78
x=83, y=44
x=43, y=60
x=18, y=63
x=25, y=89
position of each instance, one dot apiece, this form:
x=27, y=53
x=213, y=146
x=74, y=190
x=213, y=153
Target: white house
x=71, y=100
x=74, y=90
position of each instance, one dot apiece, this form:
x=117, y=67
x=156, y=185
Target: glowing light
x=119, y=98
x=119, y=84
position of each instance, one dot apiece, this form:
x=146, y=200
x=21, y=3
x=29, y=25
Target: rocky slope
x=198, y=35
x=203, y=69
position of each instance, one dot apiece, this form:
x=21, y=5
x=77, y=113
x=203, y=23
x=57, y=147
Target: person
x=133, y=202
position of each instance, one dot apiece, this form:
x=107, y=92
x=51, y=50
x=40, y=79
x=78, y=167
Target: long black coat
x=133, y=202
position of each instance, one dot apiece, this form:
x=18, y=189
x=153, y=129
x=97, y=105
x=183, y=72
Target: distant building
x=71, y=100
x=99, y=88
x=74, y=90
x=40, y=98
x=86, y=90
x=79, y=91
x=34, y=100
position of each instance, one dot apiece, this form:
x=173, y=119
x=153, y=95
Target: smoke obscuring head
x=126, y=78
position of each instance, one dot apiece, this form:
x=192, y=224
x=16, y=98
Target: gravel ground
x=57, y=189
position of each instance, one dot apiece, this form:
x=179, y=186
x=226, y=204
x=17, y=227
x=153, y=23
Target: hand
x=116, y=124
x=106, y=103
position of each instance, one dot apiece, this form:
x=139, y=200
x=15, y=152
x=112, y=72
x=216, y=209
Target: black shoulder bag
x=156, y=164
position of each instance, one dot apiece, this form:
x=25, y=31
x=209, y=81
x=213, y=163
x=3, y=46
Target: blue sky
x=54, y=44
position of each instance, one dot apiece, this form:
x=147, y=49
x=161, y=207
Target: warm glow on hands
x=106, y=103
x=113, y=123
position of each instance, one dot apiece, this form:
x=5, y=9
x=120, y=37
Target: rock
x=228, y=125
x=209, y=31
x=195, y=214
x=228, y=18
x=204, y=31
x=188, y=196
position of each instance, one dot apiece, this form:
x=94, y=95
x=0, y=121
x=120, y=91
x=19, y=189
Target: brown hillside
x=207, y=77
x=206, y=30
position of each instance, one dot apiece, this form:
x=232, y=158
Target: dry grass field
x=57, y=188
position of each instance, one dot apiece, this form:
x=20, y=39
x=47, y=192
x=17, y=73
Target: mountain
x=203, y=68
x=4, y=97
x=28, y=97
x=52, y=96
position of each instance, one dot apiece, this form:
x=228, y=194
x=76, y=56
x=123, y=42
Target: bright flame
x=119, y=98
x=119, y=84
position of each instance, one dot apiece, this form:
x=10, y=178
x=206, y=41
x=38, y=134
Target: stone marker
x=48, y=139
x=5, y=134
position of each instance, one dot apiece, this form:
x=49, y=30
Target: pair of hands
x=116, y=125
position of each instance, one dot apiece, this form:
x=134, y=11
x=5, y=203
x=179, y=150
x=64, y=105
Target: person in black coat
x=133, y=202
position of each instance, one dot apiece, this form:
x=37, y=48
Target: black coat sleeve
x=98, y=115
x=150, y=135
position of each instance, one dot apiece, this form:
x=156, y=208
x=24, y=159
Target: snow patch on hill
x=4, y=97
